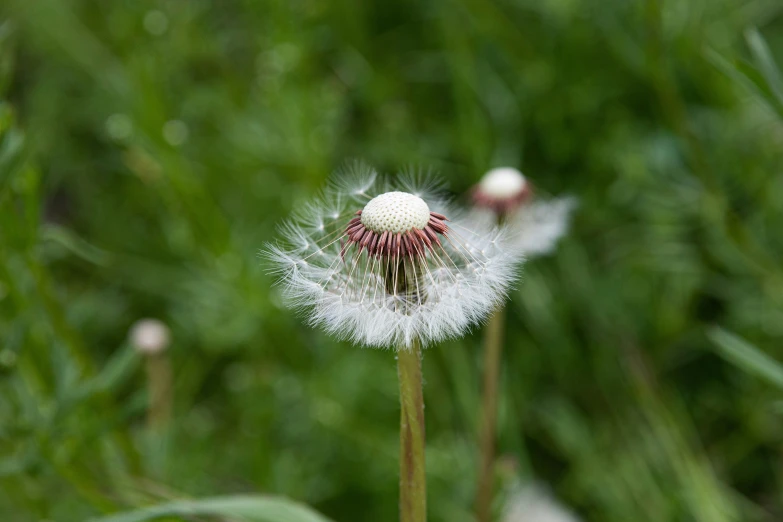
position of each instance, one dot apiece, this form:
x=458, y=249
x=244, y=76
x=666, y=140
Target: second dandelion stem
x=413, y=486
x=493, y=344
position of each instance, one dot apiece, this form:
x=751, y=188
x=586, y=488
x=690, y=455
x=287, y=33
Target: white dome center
x=501, y=183
x=395, y=212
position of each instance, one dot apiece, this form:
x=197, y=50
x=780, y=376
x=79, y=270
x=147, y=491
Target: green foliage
x=148, y=149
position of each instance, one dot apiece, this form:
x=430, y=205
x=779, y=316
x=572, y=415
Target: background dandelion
x=535, y=222
x=151, y=338
x=506, y=197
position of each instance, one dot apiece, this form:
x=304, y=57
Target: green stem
x=493, y=346
x=413, y=485
x=159, y=383
x=159, y=388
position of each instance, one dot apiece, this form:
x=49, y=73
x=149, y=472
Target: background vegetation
x=148, y=149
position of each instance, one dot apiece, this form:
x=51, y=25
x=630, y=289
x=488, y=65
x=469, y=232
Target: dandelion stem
x=413, y=486
x=493, y=346
x=159, y=388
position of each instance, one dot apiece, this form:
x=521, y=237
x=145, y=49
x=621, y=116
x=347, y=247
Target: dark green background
x=662, y=117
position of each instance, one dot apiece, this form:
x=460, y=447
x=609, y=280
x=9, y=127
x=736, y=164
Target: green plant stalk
x=159, y=388
x=413, y=481
x=493, y=347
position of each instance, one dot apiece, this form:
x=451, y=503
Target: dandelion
x=388, y=264
x=151, y=338
x=504, y=195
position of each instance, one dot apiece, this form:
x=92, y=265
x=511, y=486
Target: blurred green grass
x=149, y=149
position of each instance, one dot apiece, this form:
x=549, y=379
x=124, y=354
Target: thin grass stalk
x=413, y=485
x=493, y=347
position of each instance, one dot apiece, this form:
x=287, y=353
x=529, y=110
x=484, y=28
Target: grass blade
x=746, y=356
x=246, y=508
x=765, y=62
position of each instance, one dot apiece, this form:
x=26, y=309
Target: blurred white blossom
x=150, y=336
x=534, y=504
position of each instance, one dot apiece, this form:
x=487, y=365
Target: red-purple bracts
x=502, y=206
x=413, y=243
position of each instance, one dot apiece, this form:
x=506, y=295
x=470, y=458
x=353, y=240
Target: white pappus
x=384, y=262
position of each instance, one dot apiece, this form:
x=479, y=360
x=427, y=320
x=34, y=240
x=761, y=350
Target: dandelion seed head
x=502, y=190
x=503, y=182
x=388, y=267
x=534, y=225
x=150, y=336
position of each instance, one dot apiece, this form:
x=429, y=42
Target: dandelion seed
x=372, y=262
